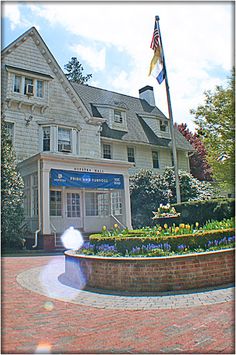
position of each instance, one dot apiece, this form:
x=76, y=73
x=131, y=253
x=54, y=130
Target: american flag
x=157, y=63
x=155, y=38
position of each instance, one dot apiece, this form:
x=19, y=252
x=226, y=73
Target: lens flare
x=72, y=239
x=43, y=348
x=49, y=305
x=49, y=282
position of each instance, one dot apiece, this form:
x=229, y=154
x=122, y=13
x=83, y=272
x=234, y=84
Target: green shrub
x=203, y=211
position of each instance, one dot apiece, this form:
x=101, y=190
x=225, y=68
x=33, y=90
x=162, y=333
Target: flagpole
x=177, y=185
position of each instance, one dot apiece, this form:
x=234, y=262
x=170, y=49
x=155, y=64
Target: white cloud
x=12, y=12
x=95, y=58
x=197, y=39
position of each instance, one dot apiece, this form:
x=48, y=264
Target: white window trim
x=75, y=139
x=22, y=85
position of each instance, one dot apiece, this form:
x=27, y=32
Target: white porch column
x=127, y=203
x=45, y=194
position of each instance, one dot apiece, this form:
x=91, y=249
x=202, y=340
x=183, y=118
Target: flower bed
x=160, y=241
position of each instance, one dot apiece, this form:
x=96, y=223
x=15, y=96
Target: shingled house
x=76, y=144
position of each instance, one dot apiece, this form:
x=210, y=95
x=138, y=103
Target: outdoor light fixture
x=28, y=120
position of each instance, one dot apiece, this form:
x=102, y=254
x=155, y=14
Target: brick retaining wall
x=151, y=274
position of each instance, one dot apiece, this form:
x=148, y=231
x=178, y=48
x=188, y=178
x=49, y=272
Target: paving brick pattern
x=38, y=322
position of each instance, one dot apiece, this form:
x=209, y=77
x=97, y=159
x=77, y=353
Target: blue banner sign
x=86, y=180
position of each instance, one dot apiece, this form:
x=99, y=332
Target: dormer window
x=64, y=140
x=118, y=116
x=163, y=126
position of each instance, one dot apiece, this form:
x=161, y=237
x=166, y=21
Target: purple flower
x=167, y=246
x=106, y=247
x=181, y=247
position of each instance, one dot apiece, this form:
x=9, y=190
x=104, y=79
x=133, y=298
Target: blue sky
x=112, y=41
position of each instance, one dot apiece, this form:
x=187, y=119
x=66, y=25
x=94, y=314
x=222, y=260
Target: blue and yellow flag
x=157, y=66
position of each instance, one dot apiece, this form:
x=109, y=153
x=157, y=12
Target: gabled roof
x=138, y=130
x=55, y=67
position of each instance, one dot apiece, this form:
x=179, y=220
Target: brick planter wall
x=151, y=274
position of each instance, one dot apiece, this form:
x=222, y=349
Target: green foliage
x=216, y=127
x=75, y=71
x=149, y=190
x=203, y=211
x=12, y=213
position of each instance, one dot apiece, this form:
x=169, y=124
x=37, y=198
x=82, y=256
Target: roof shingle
x=138, y=130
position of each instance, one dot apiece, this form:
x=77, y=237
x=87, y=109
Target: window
x=155, y=160
x=106, y=151
x=130, y=153
x=64, y=140
x=35, y=195
x=97, y=204
x=118, y=116
x=55, y=203
x=73, y=205
x=116, y=204
x=10, y=130
x=39, y=88
x=163, y=125
x=17, y=83
x=28, y=81
x=103, y=204
x=46, y=139
x=28, y=86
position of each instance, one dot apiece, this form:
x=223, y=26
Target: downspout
x=39, y=210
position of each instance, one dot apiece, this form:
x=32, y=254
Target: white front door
x=73, y=212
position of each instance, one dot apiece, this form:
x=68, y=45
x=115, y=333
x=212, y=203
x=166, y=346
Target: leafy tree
x=148, y=191
x=75, y=71
x=215, y=121
x=199, y=166
x=12, y=212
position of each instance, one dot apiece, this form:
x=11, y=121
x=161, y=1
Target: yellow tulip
x=197, y=224
x=165, y=226
x=176, y=229
x=116, y=226
x=104, y=228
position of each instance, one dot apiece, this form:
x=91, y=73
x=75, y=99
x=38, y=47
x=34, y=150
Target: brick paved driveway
x=34, y=323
